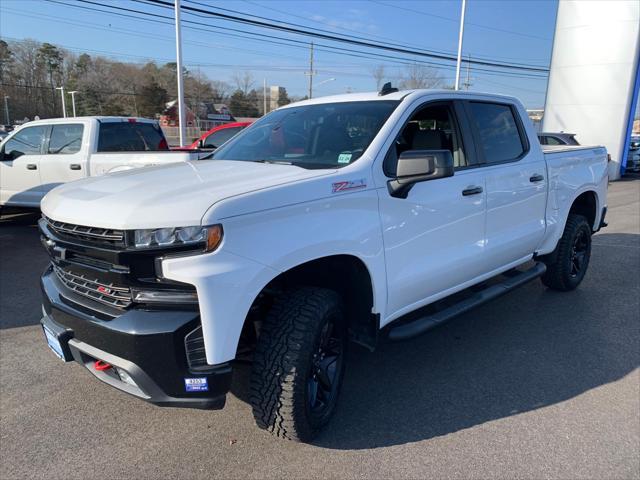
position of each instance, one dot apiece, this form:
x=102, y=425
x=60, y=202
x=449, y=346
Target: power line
x=299, y=31
x=135, y=33
x=357, y=37
x=298, y=43
x=314, y=20
x=478, y=25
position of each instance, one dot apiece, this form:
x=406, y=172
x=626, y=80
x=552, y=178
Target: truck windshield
x=329, y=135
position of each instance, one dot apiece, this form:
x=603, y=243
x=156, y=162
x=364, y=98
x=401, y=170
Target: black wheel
x=299, y=363
x=567, y=265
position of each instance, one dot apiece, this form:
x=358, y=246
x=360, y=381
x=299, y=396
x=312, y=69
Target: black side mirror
x=200, y=143
x=419, y=166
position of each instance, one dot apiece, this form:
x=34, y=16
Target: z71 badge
x=348, y=185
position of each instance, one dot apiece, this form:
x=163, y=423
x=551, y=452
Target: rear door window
x=499, y=136
x=131, y=137
x=65, y=139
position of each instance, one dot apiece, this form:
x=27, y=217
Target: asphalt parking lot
x=537, y=384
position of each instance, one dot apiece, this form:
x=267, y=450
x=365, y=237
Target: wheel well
x=344, y=274
x=586, y=205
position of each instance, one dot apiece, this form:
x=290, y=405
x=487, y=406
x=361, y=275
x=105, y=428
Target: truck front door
x=19, y=167
x=434, y=238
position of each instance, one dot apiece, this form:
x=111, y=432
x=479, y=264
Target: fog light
x=125, y=377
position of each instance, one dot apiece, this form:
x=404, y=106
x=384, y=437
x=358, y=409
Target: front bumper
x=149, y=345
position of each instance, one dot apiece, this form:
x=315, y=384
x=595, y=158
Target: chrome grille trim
x=119, y=297
x=85, y=233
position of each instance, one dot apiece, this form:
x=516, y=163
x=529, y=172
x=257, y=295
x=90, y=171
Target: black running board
x=421, y=325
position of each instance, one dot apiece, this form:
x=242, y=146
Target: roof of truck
x=397, y=96
x=104, y=119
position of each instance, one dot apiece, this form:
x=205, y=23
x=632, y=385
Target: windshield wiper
x=276, y=162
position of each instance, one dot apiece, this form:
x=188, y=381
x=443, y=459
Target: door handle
x=471, y=191
x=536, y=178
x=32, y=166
x=75, y=166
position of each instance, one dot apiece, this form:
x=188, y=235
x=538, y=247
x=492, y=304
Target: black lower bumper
x=144, y=349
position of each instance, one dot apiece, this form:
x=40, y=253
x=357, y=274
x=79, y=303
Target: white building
x=595, y=74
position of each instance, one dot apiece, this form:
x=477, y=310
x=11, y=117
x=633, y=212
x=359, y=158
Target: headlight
x=209, y=237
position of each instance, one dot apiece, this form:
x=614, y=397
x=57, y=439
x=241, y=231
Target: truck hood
x=166, y=196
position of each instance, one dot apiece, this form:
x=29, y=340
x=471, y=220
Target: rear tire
x=299, y=363
x=568, y=263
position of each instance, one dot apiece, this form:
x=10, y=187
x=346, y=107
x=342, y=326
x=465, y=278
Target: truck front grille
x=109, y=294
x=87, y=234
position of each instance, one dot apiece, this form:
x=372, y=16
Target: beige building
x=274, y=96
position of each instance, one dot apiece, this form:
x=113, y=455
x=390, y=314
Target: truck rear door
x=66, y=153
x=516, y=184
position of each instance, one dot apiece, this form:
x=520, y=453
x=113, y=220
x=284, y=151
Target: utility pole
x=135, y=103
x=464, y=6
x=467, y=84
x=6, y=111
x=73, y=101
x=264, y=96
x=181, y=113
x=311, y=72
x=64, y=108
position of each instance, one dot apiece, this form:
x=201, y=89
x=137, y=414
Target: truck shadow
x=22, y=260
x=530, y=349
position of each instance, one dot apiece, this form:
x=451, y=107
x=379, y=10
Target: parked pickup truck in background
x=42, y=154
x=560, y=138
x=334, y=220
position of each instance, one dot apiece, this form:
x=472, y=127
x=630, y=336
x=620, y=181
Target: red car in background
x=215, y=137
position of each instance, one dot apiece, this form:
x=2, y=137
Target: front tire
x=299, y=363
x=568, y=263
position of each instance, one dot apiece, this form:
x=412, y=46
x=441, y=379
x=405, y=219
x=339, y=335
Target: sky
x=505, y=31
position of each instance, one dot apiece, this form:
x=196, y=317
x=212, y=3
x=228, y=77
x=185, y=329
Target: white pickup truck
x=348, y=218
x=45, y=153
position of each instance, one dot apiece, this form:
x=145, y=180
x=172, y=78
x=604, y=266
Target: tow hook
x=101, y=366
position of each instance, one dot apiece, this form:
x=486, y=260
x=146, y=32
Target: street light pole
x=460, y=36
x=6, y=110
x=64, y=108
x=73, y=101
x=181, y=113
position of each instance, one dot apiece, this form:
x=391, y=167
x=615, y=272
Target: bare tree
x=244, y=81
x=419, y=76
x=221, y=91
x=378, y=75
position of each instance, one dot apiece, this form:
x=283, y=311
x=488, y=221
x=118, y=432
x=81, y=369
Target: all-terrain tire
x=284, y=360
x=562, y=273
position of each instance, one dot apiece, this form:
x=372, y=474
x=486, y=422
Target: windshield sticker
x=348, y=185
x=344, y=157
